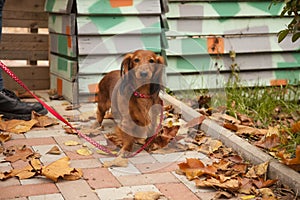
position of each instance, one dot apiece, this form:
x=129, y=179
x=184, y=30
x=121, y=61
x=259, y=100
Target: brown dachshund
x=132, y=93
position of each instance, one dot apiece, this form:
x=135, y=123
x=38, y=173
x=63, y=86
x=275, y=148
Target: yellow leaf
x=117, y=162
x=71, y=143
x=248, y=197
x=84, y=152
x=147, y=195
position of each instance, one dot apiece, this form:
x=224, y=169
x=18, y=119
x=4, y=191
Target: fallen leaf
x=295, y=127
x=60, y=168
x=4, y=137
x=196, y=121
x=84, y=152
x=117, y=162
x=291, y=162
x=147, y=195
x=21, y=153
x=267, y=194
x=261, y=183
x=43, y=120
x=231, y=185
x=71, y=143
x=54, y=150
x=75, y=174
x=28, y=171
x=17, y=126
x=258, y=170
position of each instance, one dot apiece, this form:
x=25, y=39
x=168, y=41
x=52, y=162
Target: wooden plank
x=118, y=44
x=59, y=6
x=223, y=9
x=95, y=25
x=23, y=55
x=35, y=78
x=97, y=64
x=64, y=24
x=25, y=5
x=24, y=46
x=63, y=67
x=259, y=61
x=63, y=45
x=238, y=26
x=119, y=7
x=67, y=88
x=212, y=81
x=224, y=45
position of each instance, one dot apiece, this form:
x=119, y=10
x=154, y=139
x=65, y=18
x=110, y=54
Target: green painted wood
x=106, y=7
x=232, y=26
x=223, y=9
x=63, y=45
x=62, y=67
x=102, y=25
x=63, y=24
x=118, y=44
x=59, y=6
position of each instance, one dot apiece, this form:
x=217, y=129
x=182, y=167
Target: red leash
x=58, y=116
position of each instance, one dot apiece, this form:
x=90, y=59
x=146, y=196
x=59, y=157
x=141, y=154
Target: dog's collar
x=140, y=95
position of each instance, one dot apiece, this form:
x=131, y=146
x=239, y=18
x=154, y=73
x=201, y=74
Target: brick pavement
x=145, y=172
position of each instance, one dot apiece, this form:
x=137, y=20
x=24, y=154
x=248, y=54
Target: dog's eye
x=151, y=61
x=136, y=60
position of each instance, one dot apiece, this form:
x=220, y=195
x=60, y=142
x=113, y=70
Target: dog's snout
x=144, y=74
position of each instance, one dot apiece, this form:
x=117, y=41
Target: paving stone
x=47, y=197
x=176, y=191
x=30, y=142
x=35, y=180
x=178, y=156
x=143, y=157
x=46, y=133
x=45, y=157
x=87, y=163
x=9, y=182
x=123, y=192
x=27, y=190
x=100, y=178
x=78, y=189
x=121, y=171
x=156, y=167
x=145, y=179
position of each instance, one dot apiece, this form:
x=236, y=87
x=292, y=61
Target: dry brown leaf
x=54, y=150
x=267, y=194
x=231, y=185
x=74, y=175
x=196, y=121
x=291, y=162
x=194, y=168
x=43, y=120
x=241, y=129
x=60, y=168
x=17, y=126
x=4, y=137
x=258, y=170
x=28, y=171
x=295, y=127
x=21, y=153
x=261, y=183
x=147, y=195
x=117, y=162
x=268, y=142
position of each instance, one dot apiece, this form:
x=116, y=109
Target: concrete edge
x=249, y=152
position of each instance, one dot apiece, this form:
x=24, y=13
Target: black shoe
x=12, y=108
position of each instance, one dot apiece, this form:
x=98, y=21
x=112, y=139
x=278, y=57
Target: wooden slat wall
x=30, y=46
x=203, y=34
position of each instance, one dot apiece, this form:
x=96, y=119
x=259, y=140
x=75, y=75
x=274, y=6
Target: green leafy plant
x=291, y=8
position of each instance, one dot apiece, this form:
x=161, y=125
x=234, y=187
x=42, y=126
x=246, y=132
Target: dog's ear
x=126, y=65
x=157, y=84
x=160, y=60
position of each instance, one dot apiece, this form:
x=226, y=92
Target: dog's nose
x=144, y=74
